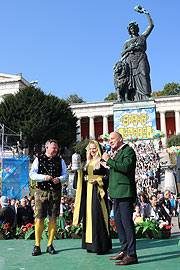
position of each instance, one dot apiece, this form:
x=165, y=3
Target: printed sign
x=137, y=122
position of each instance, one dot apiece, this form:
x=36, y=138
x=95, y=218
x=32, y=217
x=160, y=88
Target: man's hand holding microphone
x=105, y=156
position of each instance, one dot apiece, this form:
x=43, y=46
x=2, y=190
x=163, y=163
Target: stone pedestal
x=170, y=183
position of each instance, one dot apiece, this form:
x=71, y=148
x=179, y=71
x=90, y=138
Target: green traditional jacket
x=122, y=174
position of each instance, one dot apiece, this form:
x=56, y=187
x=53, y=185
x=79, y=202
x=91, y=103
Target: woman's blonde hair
x=97, y=156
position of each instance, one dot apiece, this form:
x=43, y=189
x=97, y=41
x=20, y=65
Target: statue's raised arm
x=150, y=21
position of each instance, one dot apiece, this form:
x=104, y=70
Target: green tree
x=170, y=89
x=156, y=94
x=80, y=148
x=74, y=98
x=39, y=117
x=111, y=96
x=173, y=140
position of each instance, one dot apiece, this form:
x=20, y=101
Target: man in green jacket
x=122, y=188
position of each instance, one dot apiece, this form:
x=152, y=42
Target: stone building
x=96, y=118
x=11, y=84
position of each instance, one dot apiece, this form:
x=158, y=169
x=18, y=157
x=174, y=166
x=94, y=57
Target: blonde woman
x=91, y=205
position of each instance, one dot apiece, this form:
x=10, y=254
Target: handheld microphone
x=107, y=148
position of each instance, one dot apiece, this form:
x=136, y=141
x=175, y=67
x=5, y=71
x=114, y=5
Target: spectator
x=155, y=185
x=156, y=211
x=7, y=214
x=143, y=203
x=64, y=189
x=136, y=214
x=63, y=207
x=24, y=213
x=13, y=204
x=18, y=203
x=33, y=204
x=167, y=195
x=160, y=144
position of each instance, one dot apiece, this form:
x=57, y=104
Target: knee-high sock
x=39, y=227
x=52, y=226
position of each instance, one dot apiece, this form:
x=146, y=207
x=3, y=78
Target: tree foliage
x=111, y=96
x=173, y=140
x=74, y=98
x=156, y=94
x=80, y=148
x=39, y=117
x=170, y=89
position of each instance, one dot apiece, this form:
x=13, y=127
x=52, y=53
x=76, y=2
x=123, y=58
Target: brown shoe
x=120, y=256
x=127, y=260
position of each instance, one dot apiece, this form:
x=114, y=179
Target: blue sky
x=71, y=46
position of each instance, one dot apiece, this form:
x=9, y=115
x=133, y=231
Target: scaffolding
x=14, y=166
x=6, y=149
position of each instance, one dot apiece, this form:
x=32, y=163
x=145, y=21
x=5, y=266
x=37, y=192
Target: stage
x=153, y=254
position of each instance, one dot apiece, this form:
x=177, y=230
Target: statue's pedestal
x=135, y=118
x=170, y=183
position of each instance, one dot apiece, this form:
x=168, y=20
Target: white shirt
x=40, y=177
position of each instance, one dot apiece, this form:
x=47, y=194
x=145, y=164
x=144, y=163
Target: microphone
x=107, y=148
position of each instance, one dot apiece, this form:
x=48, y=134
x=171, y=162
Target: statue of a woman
x=135, y=59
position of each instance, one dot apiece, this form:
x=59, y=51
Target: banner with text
x=137, y=122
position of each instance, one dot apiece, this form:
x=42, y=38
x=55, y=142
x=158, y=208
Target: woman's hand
x=92, y=181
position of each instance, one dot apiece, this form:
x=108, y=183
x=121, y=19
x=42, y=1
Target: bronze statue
x=132, y=72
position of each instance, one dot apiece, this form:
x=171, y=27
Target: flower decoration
x=131, y=138
x=157, y=134
x=173, y=150
x=6, y=230
x=165, y=226
x=112, y=225
x=27, y=227
x=75, y=229
x=104, y=137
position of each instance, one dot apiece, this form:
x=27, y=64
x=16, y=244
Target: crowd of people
x=152, y=203
x=17, y=212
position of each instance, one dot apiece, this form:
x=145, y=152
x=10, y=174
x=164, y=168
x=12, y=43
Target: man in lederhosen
x=49, y=170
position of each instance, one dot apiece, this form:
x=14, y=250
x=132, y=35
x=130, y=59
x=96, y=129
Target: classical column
x=78, y=130
x=105, y=124
x=163, y=122
x=91, y=128
x=177, y=122
x=163, y=127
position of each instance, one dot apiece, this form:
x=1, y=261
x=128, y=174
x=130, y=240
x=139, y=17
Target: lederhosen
x=48, y=194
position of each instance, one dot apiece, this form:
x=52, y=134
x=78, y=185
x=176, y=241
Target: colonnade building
x=97, y=118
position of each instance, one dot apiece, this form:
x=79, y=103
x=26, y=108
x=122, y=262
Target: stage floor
x=153, y=254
